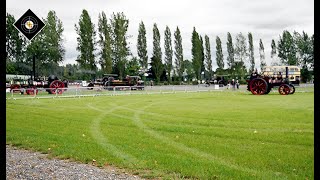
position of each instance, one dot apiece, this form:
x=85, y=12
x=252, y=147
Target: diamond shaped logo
x=29, y=24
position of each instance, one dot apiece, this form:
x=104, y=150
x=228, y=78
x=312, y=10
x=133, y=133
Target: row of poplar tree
x=111, y=51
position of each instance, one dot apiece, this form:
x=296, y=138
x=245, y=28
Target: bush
x=242, y=81
x=176, y=83
x=195, y=83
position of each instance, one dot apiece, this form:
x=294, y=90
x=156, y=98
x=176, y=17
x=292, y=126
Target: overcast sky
x=265, y=19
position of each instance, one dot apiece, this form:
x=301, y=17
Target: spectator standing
x=233, y=83
x=237, y=84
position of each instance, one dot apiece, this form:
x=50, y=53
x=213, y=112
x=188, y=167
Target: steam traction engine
x=132, y=82
x=53, y=85
x=259, y=84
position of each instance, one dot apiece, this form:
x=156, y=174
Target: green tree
x=105, y=44
x=262, y=55
x=47, y=47
x=133, y=67
x=14, y=41
x=168, y=52
x=286, y=49
x=230, y=49
x=219, y=54
x=157, y=68
x=188, y=68
x=36, y=49
x=196, y=53
x=86, y=42
x=156, y=60
x=53, y=38
x=208, y=64
x=142, y=47
x=241, y=48
x=202, y=54
x=120, y=47
x=178, y=53
x=15, y=47
x=304, y=45
x=312, y=55
x=251, y=52
x=274, y=60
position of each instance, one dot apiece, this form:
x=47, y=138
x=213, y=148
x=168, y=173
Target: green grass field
x=206, y=135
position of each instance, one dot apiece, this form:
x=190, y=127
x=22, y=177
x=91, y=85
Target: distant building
x=10, y=77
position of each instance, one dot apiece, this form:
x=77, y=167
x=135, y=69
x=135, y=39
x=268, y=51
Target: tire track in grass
x=189, y=124
x=192, y=151
x=137, y=120
x=102, y=140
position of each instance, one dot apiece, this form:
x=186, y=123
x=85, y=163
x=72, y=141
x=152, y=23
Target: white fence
x=75, y=91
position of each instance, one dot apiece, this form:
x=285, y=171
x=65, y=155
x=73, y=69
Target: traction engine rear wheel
x=284, y=89
x=258, y=86
x=55, y=87
x=292, y=89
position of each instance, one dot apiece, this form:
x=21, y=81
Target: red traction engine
x=259, y=84
x=53, y=86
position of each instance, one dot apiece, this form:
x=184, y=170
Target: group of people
x=234, y=84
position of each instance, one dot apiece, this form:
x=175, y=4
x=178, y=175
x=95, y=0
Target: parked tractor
x=262, y=84
x=111, y=80
x=222, y=80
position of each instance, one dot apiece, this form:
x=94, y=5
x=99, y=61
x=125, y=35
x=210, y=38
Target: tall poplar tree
x=86, y=42
x=156, y=60
x=208, y=64
x=196, y=53
x=120, y=47
x=168, y=52
x=230, y=49
x=105, y=44
x=219, y=54
x=142, y=46
x=202, y=54
x=241, y=48
x=178, y=53
x=274, y=59
x=262, y=55
x=251, y=52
